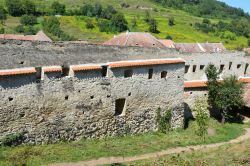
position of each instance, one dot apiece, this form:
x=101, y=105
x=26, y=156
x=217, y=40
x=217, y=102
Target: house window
x=238, y=66
x=120, y=107
x=202, y=67
x=65, y=71
x=104, y=71
x=38, y=73
x=245, y=72
x=128, y=73
x=186, y=68
x=194, y=68
x=230, y=65
x=150, y=73
x=164, y=74
x=222, y=67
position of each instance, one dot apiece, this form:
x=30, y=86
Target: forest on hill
x=99, y=20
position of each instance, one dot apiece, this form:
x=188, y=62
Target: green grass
x=181, y=32
x=122, y=146
x=234, y=154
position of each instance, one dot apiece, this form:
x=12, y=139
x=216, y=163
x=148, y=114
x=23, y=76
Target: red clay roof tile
x=245, y=79
x=49, y=69
x=195, y=84
x=17, y=71
x=86, y=67
x=121, y=64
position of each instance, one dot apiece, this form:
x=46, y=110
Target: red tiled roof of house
x=121, y=64
x=140, y=39
x=40, y=36
x=49, y=69
x=200, y=47
x=86, y=67
x=168, y=43
x=17, y=71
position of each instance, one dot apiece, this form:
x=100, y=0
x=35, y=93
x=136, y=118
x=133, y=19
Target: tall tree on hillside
x=58, y=8
x=3, y=14
x=98, y=10
x=15, y=7
x=119, y=22
x=153, y=25
x=29, y=7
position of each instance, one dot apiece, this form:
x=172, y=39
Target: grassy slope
x=122, y=146
x=181, y=32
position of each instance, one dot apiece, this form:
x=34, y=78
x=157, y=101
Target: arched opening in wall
x=150, y=73
x=164, y=74
x=194, y=68
x=120, y=107
x=230, y=65
x=38, y=74
x=104, y=71
x=238, y=66
x=187, y=68
x=246, y=67
x=202, y=67
x=65, y=71
x=128, y=73
x=222, y=67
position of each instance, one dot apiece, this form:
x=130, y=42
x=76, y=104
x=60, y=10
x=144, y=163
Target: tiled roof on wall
x=195, y=84
x=49, y=69
x=121, y=64
x=200, y=47
x=40, y=36
x=245, y=79
x=21, y=71
x=86, y=67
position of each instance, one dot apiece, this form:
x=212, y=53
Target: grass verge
x=122, y=146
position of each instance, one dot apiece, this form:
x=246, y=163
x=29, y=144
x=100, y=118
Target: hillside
x=184, y=29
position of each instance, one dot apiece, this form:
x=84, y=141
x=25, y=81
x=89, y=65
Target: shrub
x=19, y=29
x=30, y=30
x=29, y=7
x=124, y=5
x=147, y=16
x=119, y=22
x=153, y=25
x=87, y=10
x=28, y=20
x=2, y=30
x=52, y=25
x=15, y=7
x=134, y=22
x=163, y=121
x=12, y=139
x=228, y=35
x=248, y=42
x=58, y=8
x=104, y=25
x=89, y=24
x=98, y=10
x=171, y=21
x=202, y=115
x=108, y=12
x=169, y=37
x=3, y=13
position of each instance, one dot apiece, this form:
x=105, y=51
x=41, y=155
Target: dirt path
x=111, y=160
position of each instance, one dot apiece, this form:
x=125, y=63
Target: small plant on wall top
x=164, y=120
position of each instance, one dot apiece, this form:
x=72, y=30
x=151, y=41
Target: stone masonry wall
x=83, y=106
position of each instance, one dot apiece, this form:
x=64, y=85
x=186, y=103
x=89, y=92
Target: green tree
x=248, y=42
x=3, y=13
x=134, y=22
x=119, y=22
x=147, y=16
x=89, y=24
x=87, y=10
x=171, y=21
x=15, y=7
x=28, y=20
x=225, y=97
x=108, y=12
x=52, y=25
x=29, y=7
x=153, y=25
x=58, y=8
x=98, y=10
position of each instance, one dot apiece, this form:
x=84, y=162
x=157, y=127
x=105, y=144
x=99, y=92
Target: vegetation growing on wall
x=163, y=120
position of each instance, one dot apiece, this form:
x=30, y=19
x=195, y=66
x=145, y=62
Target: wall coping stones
x=18, y=71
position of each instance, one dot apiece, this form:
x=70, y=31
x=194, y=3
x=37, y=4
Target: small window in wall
x=246, y=67
x=164, y=74
x=202, y=67
x=120, y=107
x=65, y=71
x=222, y=67
x=238, y=66
x=230, y=65
x=186, y=68
x=194, y=68
x=104, y=71
x=150, y=73
x=128, y=73
x=38, y=73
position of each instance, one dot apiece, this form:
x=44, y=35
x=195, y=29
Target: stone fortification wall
x=18, y=54
x=230, y=63
x=89, y=101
